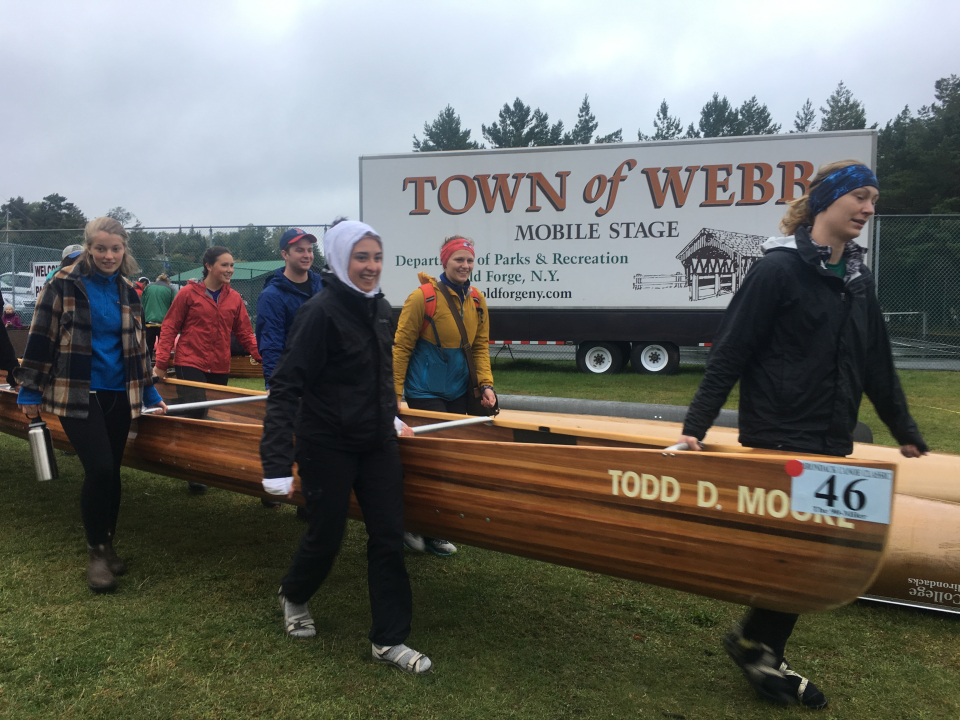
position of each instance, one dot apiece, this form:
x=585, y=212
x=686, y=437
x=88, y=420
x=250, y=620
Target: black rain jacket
x=333, y=385
x=805, y=345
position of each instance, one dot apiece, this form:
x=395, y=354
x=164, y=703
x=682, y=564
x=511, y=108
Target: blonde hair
x=798, y=211
x=128, y=266
x=162, y=277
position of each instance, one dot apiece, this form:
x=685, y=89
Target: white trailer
x=628, y=250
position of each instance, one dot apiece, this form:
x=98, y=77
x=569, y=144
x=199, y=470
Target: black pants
x=458, y=406
x=326, y=478
x=770, y=627
x=153, y=335
x=99, y=441
x=192, y=394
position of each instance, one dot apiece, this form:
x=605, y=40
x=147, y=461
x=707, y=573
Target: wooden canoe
x=546, y=487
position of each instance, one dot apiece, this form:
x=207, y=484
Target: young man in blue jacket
x=283, y=294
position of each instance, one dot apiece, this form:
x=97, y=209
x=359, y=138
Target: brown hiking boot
x=99, y=577
x=117, y=566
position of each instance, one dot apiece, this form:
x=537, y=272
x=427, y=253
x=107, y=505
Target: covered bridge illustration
x=715, y=261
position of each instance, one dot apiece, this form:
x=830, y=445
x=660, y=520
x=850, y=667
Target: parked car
x=22, y=297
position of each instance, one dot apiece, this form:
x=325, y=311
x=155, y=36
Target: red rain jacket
x=204, y=328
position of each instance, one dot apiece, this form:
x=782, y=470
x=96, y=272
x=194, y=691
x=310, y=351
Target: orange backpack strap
x=429, y=304
x=475, y=294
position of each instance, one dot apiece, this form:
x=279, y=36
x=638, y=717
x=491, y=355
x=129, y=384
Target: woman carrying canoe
x=429, y=366
x=204, y=314
x=333, y=390
x=805, y=337
x=86, y=361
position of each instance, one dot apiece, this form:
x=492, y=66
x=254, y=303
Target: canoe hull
x=551, y=496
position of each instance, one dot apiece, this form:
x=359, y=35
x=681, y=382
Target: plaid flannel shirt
x=58, y=357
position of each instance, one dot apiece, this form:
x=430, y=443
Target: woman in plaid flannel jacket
x=86, y=361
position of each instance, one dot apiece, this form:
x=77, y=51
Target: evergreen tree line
x=182, y=248
x=918, y=156
x=918, y=162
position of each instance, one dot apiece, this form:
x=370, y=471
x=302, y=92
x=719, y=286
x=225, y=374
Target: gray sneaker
x=439, y=547
x=413, y=542
x=297, y=622
x=403, y=658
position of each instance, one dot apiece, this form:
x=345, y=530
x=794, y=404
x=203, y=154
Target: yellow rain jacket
x=421, y=367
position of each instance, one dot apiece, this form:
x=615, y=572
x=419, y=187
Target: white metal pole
x=187, y=407
x=424, y=429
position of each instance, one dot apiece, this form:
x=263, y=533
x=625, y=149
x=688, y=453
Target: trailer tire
x=655, y=358
x=599, y=358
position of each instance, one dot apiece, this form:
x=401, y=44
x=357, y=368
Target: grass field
x=194, y=630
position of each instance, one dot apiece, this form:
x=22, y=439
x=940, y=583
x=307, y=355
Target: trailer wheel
x=599, y=358
x=656, y=358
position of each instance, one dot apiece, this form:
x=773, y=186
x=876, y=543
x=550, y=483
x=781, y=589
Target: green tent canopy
x=241, y=271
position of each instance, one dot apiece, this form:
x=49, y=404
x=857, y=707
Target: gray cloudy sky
x=236, y=111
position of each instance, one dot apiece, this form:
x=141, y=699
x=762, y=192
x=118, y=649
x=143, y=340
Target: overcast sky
x=223, y=112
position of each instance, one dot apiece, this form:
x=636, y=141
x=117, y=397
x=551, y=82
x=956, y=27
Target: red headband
x=451, y=247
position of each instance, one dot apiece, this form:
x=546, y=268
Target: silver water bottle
x=41, y=447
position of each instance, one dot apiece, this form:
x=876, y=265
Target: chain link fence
x=916, y=259
x=174, y=251
x=17, y=275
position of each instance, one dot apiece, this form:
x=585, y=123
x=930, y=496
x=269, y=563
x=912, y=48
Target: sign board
x=40, y=272
x=844, y=491
x=664, y=225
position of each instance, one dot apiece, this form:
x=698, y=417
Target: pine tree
x=519, y=127
x=843, y=112
x=666, y=127
x=755, y=119
x=615, y=137
x=806, y=118
x=719, y=118
x=917, y=156
x=692, y=132
x=444, y=134
x=586, y=125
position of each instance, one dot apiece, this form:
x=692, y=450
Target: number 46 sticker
x=847, y=491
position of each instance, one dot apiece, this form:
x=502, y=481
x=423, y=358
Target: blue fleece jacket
x=106, y=361
x=276, y=307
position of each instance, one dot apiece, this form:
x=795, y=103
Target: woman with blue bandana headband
x=805, y=337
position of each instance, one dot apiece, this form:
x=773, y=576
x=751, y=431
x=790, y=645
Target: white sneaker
x=414, y=542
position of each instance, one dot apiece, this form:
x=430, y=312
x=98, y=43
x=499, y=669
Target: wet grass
x=194, y=630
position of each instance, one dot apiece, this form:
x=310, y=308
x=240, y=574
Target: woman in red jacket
x=204, y=314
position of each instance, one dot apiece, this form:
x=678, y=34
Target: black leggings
x=98, y=441
x=458, y=406
x=192, y=394
x=376, y=477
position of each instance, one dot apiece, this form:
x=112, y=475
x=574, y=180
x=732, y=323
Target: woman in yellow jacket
x=428, y=364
